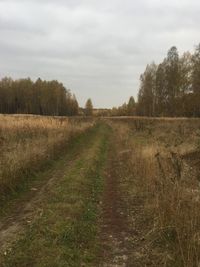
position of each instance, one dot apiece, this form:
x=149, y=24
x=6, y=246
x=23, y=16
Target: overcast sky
x=97, y=48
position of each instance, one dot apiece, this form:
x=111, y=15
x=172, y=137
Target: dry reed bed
x=28, y=142
x=168, y=180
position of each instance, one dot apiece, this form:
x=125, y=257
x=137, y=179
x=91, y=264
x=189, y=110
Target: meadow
x=122, y=191
x=164, y=158
x=28, y=143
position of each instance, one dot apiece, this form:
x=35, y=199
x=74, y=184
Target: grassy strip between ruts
x=77, y=143
x=15, y=173
x=64, y=232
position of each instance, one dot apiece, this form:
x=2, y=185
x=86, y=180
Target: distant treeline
x=127, y=109
x=171, y=88
x=24, y=96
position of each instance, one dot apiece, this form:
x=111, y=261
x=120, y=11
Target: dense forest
x=40, y=97
x=171, y=88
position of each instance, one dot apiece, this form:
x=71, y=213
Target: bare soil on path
x=119, y=238
x=114, y=228
x=124, y=223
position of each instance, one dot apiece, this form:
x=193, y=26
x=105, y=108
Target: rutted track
x=91, y=209
x=69, y=174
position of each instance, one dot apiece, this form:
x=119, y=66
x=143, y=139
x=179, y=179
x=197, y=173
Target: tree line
x=171, y=88
x=23, y=96
x=127, y=109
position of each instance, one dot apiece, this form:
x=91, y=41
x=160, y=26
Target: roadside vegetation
x=161, y=188
x=63, y=229
x=29, y=143
x=121, y=191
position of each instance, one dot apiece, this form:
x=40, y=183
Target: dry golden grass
x=28, y=142
x=168, y=180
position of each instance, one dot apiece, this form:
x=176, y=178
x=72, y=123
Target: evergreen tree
x=88, y=108
x=131, y=106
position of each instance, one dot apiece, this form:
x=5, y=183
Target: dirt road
x=83, y=211
x=53, y=222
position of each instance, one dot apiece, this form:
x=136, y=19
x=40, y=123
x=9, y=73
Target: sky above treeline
x=96, y=48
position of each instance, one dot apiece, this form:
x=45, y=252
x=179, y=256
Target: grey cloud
x=96, y=48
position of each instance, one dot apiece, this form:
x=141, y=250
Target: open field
x=28, y=143
x=110, y=192
x=161, y=185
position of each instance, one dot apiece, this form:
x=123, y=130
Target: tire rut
x=114, y=234
x=27, y=208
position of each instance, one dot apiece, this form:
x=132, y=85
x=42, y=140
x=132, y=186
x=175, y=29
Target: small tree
x=88, y=108
x=131, y=106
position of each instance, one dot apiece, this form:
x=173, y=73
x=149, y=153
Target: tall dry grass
x=169, y=186
x=175, y=205
x=28, y=142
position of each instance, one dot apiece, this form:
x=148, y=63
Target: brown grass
x=28, y=142
x=168, y=181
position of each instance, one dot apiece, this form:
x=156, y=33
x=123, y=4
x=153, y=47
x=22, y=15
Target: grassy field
x=29, y=143
x=114, y=192
x=163, y=161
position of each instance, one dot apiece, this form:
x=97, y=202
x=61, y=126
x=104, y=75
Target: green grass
x=64, y=233
x=76, y=144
